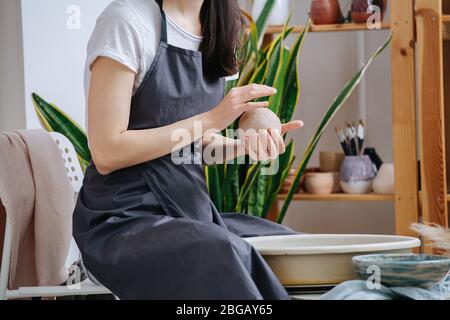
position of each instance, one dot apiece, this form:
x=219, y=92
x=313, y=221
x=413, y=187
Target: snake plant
x=236, y=187
x=53, y=119
x=242, y=187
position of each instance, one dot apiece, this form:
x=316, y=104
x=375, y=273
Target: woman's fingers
x=278, y=140
x=254, y=91
x=291, y=126
x=273, y=146
x=253, y=141
x=264, y=146
x=254, y=105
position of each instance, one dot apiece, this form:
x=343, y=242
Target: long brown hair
x=221, y=25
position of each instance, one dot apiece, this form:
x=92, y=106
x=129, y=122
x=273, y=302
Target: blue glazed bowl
x=403, y=270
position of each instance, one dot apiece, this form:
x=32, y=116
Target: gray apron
x=151, y=231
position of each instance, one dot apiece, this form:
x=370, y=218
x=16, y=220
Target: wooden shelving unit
x=329, y=28
x=341, y=197
x=420, y=94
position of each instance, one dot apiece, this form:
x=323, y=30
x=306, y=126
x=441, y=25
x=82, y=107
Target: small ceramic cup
x=331, y=161
x=357, y=174
x=320, y=183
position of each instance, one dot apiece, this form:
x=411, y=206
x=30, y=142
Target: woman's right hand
x=238, y=101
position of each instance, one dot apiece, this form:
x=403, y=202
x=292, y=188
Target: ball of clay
x=259, y=119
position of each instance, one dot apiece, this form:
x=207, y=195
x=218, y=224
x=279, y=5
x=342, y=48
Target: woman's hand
x=236, y=102
x=269, y=144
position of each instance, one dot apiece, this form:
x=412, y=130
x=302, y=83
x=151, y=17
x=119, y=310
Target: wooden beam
x=431, y=111
x=404, y=115
x=446, y=56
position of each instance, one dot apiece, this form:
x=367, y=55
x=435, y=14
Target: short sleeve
x=118, y=36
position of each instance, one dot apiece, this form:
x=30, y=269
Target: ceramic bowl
x=301, y=260
x=331, y=161
x=320, y=183
x=404, y=270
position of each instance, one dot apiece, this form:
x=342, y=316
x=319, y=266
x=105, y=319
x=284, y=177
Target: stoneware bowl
x=320, y=183
x=404, y=270
x=303, y=260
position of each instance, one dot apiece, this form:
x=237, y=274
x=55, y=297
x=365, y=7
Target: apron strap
x=163, y=21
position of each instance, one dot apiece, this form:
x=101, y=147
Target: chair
x=85, y=288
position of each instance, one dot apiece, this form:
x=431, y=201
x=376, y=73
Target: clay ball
x=259, y=119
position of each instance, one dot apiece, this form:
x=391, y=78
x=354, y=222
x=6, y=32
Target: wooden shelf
x=341, y=197
x=446, y=18
x=329, y=28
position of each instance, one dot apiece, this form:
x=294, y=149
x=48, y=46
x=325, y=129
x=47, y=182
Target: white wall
x=54, y=55
x=12, y=113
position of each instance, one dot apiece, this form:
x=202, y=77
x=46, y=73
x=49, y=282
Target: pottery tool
x=361, y=137
x=351, y=136
x=342, y=140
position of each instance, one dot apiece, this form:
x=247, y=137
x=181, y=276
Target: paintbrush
x=342, y=140
x=361, y=136
x=351, y=137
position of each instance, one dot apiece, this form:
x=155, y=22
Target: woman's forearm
x=133, y=147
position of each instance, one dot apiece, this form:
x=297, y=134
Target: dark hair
x=221, y=26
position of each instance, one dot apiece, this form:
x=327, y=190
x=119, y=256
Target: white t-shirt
x=129, y=31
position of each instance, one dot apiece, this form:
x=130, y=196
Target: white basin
x=302, y=260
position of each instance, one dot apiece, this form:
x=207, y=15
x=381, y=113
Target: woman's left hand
x=269, y=144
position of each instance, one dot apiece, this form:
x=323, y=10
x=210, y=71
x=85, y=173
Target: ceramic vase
x=280, y=11
x=326, y=12
x=385, y=180
x=357, y=175
x=360, y=12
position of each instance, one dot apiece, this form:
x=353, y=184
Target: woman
x=146, y=226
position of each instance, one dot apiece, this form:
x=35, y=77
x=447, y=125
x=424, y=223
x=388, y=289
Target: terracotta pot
x=360, y=7
x=326, y=12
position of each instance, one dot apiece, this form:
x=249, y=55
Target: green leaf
x=251, y=175
x=335, y=107
x=286, y=161
x=291, y=94
x=54, y=119
x=231, y=186
x=261, y=23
